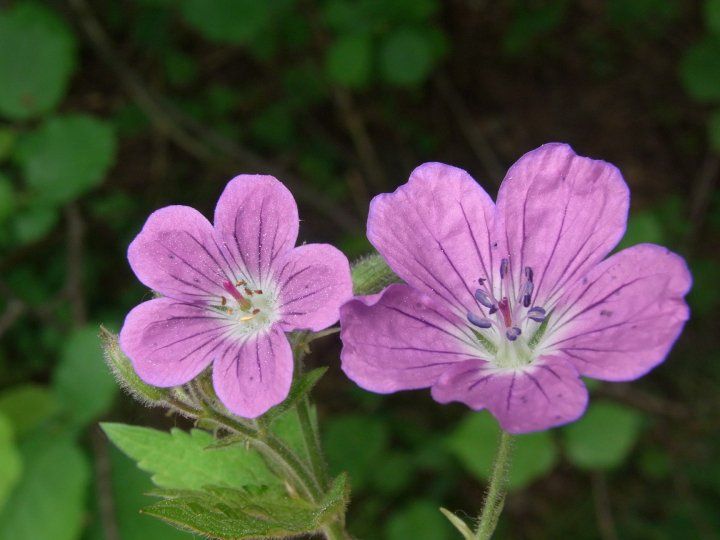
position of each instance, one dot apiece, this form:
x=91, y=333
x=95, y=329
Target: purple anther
x=504, y=268
x=513, y=333
x=483, y=297
x=537, y=314
x=527, y=293
x=529, y=274
x=480, y=322
x=481, y=281
x=492, y=310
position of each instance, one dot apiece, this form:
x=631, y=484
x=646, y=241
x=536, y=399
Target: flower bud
x=371, y=274
x=125, y=374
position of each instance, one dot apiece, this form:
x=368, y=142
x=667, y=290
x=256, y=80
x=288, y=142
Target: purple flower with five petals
x=230, y=292
x=506, y=305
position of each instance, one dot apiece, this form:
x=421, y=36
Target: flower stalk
x=495, y=498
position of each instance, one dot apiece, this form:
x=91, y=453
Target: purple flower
x=230, y=292
x=506, y=305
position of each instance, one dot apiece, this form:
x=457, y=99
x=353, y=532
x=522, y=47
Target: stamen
x=513, y=333
x=504, y=268
x=537, y=314
x=244, y=302
x=480, y=322
x=483, y=297
x=493, y=309
x=529, y=274
x=248, y=292
x=223, y=301
x=258, y=291
x=527, y=293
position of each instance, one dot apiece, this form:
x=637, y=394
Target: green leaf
x=49, y=500
x=37, y=57
x=10, y=460
x=233, y=21
x=604, y=437
x=406, y=57
x=643, y=227
x=348, y=61
x=700, y=70
x=711, y=10
x=419, y=520
x=7, y=197
x=129, y=488
x=34, y=223
x=27, y=407
x=474, y=442
x=66, y=156
x=249, y=513
x=82, y=380
x=355, y=443
x=181, y=460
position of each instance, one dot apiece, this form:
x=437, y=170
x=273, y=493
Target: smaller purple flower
x=506, y=305
x=230, y=292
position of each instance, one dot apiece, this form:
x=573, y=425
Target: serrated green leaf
x=355, y=443
x=181, y=460
x=37, y=57
x=419, y=520
x=66, y=156
x=27, y=406
x=49, y=500
x=10, y=460
x=407, y=57
x=604, y=437
x=349, y=60
x=248, y=513
x=82, y=380
x=474, y=442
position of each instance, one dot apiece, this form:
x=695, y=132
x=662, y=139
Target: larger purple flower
x=505, y=306
x=230, y=292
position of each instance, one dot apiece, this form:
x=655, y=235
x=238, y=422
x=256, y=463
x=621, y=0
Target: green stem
x=495, y=498
x=312, y=442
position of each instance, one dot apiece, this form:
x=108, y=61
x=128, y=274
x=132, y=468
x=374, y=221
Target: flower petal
x=621, y=320
x=257, y=220
x=545, y=394
x=314, y=281
x=434, y=233
x=559, y=214
x=399, y=339
x=254, y=375
x=170, y=342
x=176, y=254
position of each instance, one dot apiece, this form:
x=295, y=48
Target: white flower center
x=511, y=327
x=252, y=308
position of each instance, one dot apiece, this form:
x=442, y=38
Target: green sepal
x=371, y=274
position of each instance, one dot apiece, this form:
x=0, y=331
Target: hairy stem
x=497, y=489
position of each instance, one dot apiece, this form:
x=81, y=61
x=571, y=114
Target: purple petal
x=545, y=394
x=400, y=339
x=170, y=342
x=176, y=254
x=314, y=281
x=257, y=219
x=254, y=375
x=621, y=320
x=434, y=233
x=559, y=214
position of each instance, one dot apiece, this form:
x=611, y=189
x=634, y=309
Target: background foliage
x=113, y=108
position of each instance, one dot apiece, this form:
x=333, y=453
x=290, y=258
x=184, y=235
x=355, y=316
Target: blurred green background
x=110, y=109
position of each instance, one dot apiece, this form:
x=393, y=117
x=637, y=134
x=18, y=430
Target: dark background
x=110, y=109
